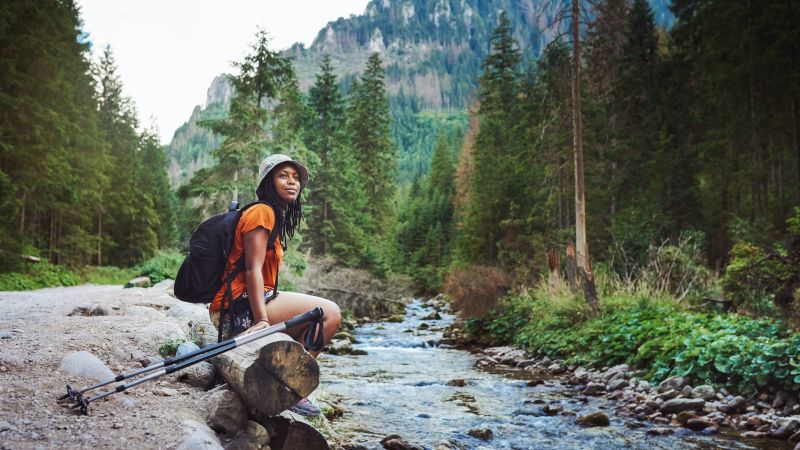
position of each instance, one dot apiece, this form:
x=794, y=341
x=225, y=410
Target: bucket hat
x=271, y=161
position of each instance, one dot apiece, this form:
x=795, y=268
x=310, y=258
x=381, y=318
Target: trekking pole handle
x=315, y=313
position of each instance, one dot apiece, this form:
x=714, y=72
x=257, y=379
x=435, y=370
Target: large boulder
x=227, y=413
x=595, y=419
x=85, y=364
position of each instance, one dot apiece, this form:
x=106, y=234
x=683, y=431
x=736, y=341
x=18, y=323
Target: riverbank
x=663, y=367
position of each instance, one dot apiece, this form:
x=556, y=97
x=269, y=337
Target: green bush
x=753, y=276
x=105, y=275
x=658, y=337
x=37, y=276
x=164, y=265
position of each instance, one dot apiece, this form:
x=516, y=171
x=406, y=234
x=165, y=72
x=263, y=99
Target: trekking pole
x=170, y=365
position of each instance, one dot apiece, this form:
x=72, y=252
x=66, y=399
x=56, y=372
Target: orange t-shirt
x=254, y=217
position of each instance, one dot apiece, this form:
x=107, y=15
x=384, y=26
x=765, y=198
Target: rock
x=345, y=335
x=684, y=417
x=643, y=386
x=226, y=411
x=672, y=383
x=754, y=434
x=704, y=391
x=166, y=392
x=155, y=334
x=85, y=364
x=340, y=347
x=795, y=438
x=781, y=399
x=525, y=363
x=6, y=335
x=615, y=372
x=200, y=375
x=186, y=348
x=659, y=431
x=710, y=430
x=447, y=445
x=677, y=405
x=358, y=352
x=5, y=426
x=395, y=442
x=556, y=369
x=100, y=310
x=617, y=384
x=397, y=318
x=423, y=326
x=481, y=433
x=143, y=311
x=686, y=391
x=458, y=382
x=534, y=382
x=139, y=282
x=257, y=431
x=594, y=389
x=700, y=423
x=787, y=429
x=734, y=406
x=199, y=437
x=668, y=395
x=433, y=316
x=595, y=419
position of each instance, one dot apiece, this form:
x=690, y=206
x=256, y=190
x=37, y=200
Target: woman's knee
x=332, y=313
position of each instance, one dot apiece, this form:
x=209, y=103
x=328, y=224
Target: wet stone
x=595, y=419
x=481, y=433
x=659, y=431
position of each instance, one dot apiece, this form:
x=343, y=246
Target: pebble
x=481, y=433
x=659, y=431
x=166, y=392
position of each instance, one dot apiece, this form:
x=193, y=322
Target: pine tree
x=369, y=128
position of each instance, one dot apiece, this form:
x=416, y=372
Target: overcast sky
x=169, y=51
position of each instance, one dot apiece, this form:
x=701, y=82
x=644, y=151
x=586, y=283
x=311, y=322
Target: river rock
x=668, y=395
x=447, y=445
x=165, y=392
x=186, y=348
x=481, y=433
x=85, y=364
x=345, y=335
x=643, y=386
x=787, y=429
x=672, y=383
x=700, y=423
x=735, y=405
x=458, y=382
x=199, y=437
x=677, y=405
x=226, y=411
x=595, y=419
x=704, y=391
x=781, y=399
x=659, y=431
x=615, y=372
x=139, y=310
x=433, y=316
x=556, y=369
x=617, y=384
x=200, y=375
x=686, y=391
x=340, y=347
x=594, y=389
x=683, y=417
x=395, y=442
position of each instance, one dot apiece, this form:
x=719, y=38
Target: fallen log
x=292, y=432
x=269, y=374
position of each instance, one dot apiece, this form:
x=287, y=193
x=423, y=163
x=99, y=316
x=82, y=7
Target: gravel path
x=37, y=330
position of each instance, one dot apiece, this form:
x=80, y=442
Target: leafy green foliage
x=164, y=265
x=729, y=350
x=37, y=276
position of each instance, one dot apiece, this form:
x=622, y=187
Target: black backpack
x=205, y=268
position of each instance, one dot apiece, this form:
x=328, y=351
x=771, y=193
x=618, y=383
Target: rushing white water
x=401, y=387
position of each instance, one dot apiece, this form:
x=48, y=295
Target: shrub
x=164, y=265
x=105, y=275
x=37, y=276
x=476, y=290
x=753, y=276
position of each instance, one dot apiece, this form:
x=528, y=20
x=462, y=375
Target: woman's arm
x=255, y=249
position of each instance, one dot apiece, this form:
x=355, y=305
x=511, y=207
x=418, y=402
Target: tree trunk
x=796, y=139
x=582, y=252
x=270, y=374
x=577, y=138
x=572, y=271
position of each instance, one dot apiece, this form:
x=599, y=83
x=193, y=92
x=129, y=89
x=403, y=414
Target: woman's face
x=287, y=182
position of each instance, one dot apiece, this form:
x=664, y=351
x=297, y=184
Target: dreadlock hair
x=288, y=217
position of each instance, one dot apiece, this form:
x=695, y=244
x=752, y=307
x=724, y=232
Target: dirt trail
x=36, y=331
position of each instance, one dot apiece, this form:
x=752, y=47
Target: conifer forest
x=625, y=169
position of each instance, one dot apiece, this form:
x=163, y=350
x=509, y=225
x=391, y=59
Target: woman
x=281, y=180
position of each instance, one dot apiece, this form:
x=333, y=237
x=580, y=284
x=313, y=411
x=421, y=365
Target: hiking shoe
x=305, y=408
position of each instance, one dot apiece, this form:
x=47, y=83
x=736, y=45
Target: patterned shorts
x=238, y=317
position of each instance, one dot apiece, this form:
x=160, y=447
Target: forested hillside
x=432, y=51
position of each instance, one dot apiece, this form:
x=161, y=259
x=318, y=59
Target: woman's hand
x=260, y=325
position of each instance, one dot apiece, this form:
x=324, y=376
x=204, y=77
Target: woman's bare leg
x=289, y=304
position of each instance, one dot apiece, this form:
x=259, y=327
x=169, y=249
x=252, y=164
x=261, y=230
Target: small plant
x=164, y=265
x=170, y=347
